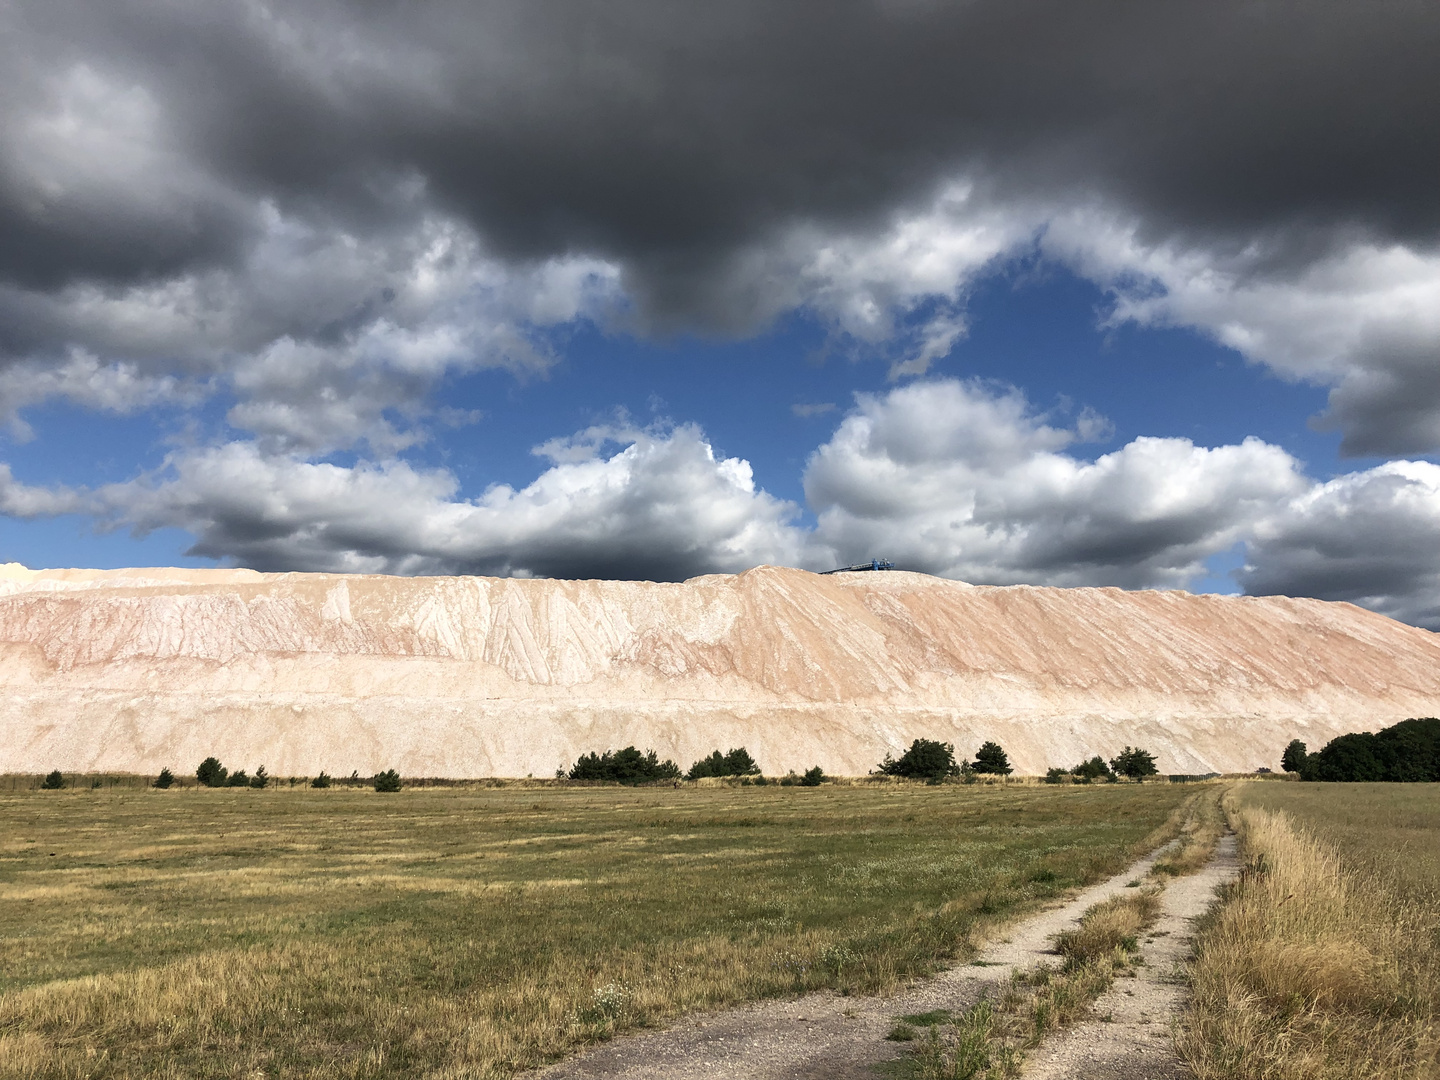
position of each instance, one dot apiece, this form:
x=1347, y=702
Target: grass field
x=1324, y=964
x=450, y=933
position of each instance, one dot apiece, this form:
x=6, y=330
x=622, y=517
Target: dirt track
x=825, y=1035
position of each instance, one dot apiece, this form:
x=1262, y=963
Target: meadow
x=473, y=932
x=1324, y=962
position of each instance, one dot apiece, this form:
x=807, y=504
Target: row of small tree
x=928, y=759
x=631, y=766
x=1131, y=762
x=211, y=773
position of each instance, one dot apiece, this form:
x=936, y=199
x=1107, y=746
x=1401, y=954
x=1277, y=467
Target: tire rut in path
x=839, y=1038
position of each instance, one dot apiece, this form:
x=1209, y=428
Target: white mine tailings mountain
x=467, y=676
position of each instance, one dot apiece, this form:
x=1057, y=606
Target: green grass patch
x=343, y=933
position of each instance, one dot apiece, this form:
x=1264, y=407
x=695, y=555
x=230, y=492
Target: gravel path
x=1130, y=1039
x=826, y=1035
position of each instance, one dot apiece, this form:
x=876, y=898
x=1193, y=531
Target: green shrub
x=211, y=773
x=1094, y=769
x=737, y=762
x=760, y=781
x=389, y=780
x=165, y=779
x=990, y=758
x=321, y=781
x=53, y=782
x=1134, y=763
x=813, y=777
x=1056, y=776
x=925, y=760
x=260, y=779
x=627, y=766
x=238, y=779
x=1293, y=760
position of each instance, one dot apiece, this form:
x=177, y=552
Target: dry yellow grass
x=1115, y=924
x=1324, y=961
x=472, y=933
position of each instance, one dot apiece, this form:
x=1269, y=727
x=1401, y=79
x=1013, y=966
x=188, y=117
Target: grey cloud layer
x=186, y=193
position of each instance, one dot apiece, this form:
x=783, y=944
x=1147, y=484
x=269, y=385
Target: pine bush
x=211, y=773
x=1134, y=763
x=990, y=758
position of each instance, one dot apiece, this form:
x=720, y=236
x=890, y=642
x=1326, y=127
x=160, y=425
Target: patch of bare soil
x=826, y=1035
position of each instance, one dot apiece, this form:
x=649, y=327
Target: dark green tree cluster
x=737, y=762
x=925, y=760
x=165, y=779
x=389, y=780
x=628, y=766
x=53, y=781
x=1407, y=752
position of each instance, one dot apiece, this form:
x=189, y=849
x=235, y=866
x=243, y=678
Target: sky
x=1009, y=291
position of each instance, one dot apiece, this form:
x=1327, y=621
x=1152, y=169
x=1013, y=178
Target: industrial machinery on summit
x=873, y=564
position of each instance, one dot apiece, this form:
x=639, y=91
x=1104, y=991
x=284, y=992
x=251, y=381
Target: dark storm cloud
x=669, y=135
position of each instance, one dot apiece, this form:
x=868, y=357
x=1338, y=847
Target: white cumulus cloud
x=963, y=480
x=659, y=505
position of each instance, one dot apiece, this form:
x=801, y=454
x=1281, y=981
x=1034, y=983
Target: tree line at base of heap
x=1407, y=752
x=926, y=759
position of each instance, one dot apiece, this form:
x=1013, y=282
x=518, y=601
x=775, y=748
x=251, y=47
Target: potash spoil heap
x=131, y=670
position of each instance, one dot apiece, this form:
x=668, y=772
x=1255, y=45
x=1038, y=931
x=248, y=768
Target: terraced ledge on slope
x=132, y=670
